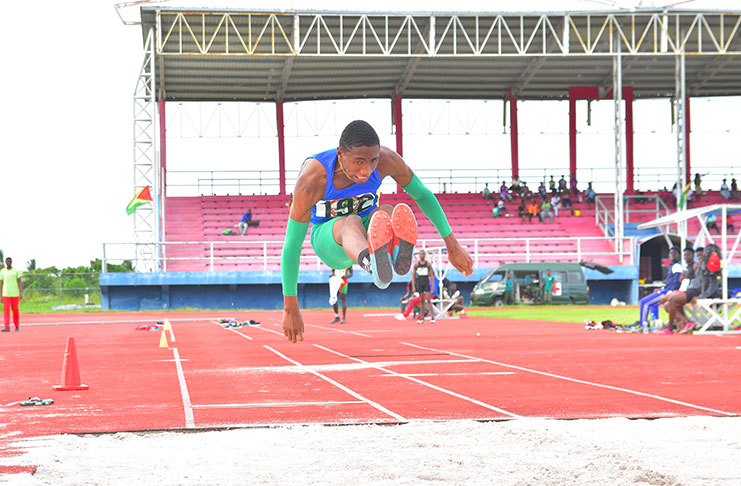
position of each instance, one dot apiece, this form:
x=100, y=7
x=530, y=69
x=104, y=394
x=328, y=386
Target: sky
x=66, y=151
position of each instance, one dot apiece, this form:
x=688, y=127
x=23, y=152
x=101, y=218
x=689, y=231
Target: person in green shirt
x=547, y=286
x=11, y=289
x=509, y=290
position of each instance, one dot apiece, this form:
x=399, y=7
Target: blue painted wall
x=262, y=290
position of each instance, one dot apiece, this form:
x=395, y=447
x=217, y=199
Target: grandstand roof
x=254, y=55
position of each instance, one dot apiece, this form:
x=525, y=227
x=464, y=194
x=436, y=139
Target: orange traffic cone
x=70, y=369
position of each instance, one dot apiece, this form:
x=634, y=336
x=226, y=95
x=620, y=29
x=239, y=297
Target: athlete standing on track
x=422, y=273
x=338, y=191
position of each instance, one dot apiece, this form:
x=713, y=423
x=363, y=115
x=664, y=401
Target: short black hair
x=358, y=133
x=676, y=248
x=699, y=249
x=690, y=249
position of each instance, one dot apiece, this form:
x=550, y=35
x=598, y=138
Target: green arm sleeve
x=291, y=255
x=429, y=205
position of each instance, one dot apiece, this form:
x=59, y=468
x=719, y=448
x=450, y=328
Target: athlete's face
x=8, y=263
x=689, y=256
x=422, y=256
x=359, y=162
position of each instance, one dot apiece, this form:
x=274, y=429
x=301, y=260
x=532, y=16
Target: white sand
x=692, y=451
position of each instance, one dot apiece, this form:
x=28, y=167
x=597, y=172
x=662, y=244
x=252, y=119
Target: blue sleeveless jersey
x=358, y=199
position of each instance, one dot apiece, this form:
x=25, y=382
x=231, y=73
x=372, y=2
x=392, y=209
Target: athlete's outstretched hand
x=458, y=256
x=293, y=323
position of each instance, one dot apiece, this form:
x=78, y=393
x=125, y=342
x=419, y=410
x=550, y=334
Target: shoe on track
x=335, y=320
x=404, y=225
x=400, y=317
x=380, y=237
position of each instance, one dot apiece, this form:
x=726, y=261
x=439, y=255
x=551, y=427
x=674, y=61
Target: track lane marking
x=339, y=385
x=278, y=404
x=340, y=330
x=421, y=382
x=189, y=421
x=456, y=374
x=576, y=380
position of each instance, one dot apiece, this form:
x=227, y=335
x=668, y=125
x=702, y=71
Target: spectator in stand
x=712, y=223
x=675, y=195
x=245, y=221
x=724, y=191
x=524, y=190
x=555, y=204
x=734, y=190
x=542, y=190
x=562, y=185
x=486, y=193
x=665, y=195
x=552, y=186
x=729, y=224
x=546, y=211
x=522, y=210
x=698, y=186
x=566, y=200
x=533, y=210
x=639, y=199
x=572, y=184
x=500, y=206
x=589, y=194
x=504, y=193
x=515, y=186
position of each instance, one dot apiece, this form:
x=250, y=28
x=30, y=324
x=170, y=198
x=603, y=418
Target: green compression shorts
x=327, y=249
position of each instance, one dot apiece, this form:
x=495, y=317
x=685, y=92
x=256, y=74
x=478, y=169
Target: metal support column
x=281, y=147
x=680, y=121
x=146, y=167
x=617, y=95
x=396, y=119
x=513, y=135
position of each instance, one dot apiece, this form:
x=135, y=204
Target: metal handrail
x=474, y=245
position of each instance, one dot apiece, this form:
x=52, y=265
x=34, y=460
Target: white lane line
x=576, y=380
x=424, y=383
x=241, y=334
x=189, y=421
x=456, y=374
x=274, y=332
x=172, y=333
x=340, y=386
x=738, y=347
x=384, y=314
x=341, y=330
x=277, y=404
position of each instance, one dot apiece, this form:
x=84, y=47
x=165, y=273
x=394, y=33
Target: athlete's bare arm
x=391, y=164
x=309, y=190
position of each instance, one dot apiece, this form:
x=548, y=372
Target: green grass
x=618, y=315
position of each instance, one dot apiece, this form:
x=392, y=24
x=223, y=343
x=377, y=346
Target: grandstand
x=213, y=56
x=196, y=225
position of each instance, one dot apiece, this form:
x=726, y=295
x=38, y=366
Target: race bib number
x=345, y=206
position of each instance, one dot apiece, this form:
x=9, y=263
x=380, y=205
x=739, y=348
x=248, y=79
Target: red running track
x=373, y=369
